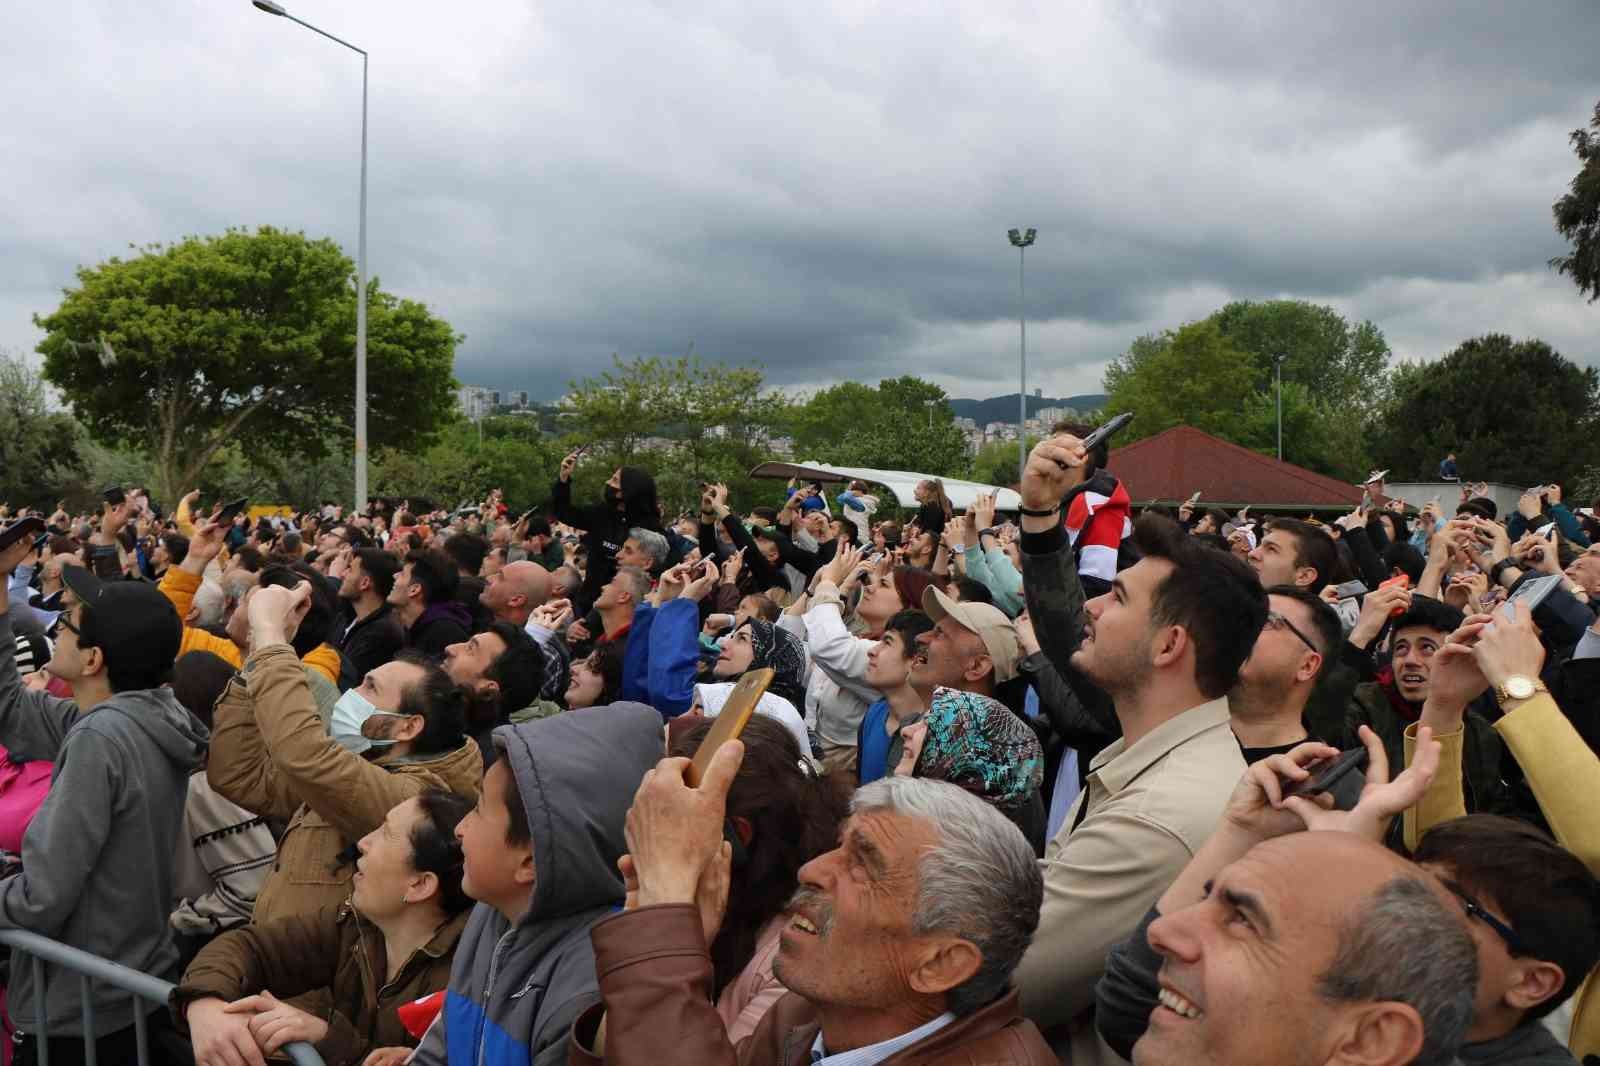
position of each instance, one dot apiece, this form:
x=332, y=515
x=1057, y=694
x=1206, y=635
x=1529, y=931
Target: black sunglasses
x=1474, y=909
x=1274, y=620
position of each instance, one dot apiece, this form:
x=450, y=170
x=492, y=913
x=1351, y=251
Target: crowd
x=1066, y=784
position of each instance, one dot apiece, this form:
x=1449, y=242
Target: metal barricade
x=91, y=968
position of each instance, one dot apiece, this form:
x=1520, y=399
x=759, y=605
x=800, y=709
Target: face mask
x=612, y=496
x=352, y=710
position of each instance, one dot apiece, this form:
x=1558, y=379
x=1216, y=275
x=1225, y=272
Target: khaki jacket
x=270, y=754
x=328, y=948
x=655, y=990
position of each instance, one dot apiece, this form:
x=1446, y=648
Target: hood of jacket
x=577, y=773
x=157, y=714
x=453, y=610
x=638, y=498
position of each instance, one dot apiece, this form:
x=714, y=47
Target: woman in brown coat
x=389, y=944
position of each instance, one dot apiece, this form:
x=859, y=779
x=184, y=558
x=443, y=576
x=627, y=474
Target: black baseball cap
x=133, y=620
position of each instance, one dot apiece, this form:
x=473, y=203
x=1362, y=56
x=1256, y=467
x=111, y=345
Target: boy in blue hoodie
x=540, y=856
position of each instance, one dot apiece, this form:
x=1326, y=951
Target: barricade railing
x=91, y=968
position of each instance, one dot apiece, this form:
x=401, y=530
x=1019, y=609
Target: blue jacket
x=636, y=656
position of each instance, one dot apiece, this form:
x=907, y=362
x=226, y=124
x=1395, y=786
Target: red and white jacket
x=1098, y=519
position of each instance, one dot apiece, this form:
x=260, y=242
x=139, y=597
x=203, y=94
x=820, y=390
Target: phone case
x=736, y=713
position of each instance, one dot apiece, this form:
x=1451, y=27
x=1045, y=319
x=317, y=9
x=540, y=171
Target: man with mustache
x=901, y=942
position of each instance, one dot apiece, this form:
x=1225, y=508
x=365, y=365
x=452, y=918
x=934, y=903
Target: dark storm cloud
x=826, y=189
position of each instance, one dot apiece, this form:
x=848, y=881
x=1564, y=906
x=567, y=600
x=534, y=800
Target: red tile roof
x=1174, y=463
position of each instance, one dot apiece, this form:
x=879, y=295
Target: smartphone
x=1350, y=589
x=30, y=526
x=1532, y=592
x=1195, y=498
x=1338, y=776
x=736, y=712
x=1401, y=581
x=1094, y=440
x=229, y=510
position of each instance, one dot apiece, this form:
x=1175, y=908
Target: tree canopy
x=1511, y=411
x=904, y=424
x=248, y=337
x=1578, y=213
x=40, y=454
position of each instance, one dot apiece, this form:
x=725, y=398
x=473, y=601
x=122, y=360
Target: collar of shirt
x=1117, y=766
x=874, y=1053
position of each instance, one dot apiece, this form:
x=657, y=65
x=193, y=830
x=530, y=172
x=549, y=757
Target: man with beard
x=1165, y=644
x=1267, y=704
x=370, y=634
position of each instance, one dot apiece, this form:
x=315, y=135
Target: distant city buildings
x=476, y=402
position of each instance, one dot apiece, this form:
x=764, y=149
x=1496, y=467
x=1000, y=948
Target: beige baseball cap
x=998, y=633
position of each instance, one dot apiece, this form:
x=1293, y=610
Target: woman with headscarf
x=976, y=742
x=629, y=502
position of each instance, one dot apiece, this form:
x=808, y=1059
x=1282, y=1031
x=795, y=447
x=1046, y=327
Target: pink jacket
x=22, y=790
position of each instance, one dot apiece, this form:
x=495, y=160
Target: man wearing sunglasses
x=1267, y=704
x=97, y=859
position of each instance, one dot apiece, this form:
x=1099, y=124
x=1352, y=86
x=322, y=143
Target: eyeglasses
x=1278, y=621
x=67, y=622
x=1474, y=909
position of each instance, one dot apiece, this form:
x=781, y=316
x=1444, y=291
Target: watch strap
x=1034, y=512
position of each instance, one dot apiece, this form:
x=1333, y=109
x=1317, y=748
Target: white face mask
x=349, y=714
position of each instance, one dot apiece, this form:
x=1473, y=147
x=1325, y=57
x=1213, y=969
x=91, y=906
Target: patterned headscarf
x=977, y=743
x=781, y=650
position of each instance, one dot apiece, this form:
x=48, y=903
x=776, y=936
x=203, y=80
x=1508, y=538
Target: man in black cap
x=97, y=860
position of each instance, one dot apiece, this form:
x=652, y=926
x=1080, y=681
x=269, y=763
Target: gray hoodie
x=516, y=990
x=97, y=860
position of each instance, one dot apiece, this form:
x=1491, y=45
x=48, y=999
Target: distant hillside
x=1004, y=408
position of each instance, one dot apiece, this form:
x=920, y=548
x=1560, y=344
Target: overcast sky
x=825, y=187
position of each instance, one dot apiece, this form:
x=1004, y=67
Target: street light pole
x=1277, y=365
x=1021, y=240
x=273, y=8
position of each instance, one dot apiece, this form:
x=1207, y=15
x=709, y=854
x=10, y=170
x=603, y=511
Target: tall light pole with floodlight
x=1021, y=239
x=273, y=8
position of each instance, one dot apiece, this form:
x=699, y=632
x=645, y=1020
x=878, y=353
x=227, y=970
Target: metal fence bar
x=91, y=968
x=86, y=994
x=141, y=1035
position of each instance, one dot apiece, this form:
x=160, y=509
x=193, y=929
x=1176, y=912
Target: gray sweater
x=97, y=860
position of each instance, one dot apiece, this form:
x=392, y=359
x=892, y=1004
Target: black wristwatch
x=1499, y=568
x=1032, y=512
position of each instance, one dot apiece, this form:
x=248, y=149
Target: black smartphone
x=1099, y=436
x=1342, y=776
x=229, y=510
x=31, y=526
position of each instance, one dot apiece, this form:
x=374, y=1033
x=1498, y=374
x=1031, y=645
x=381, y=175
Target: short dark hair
x=198, y=678
x=1406, y=559
x=538, y=526
x=435, y=849
x=1312, y=547
x=1326, y=631
x=1213, y=595
x=1429, y=613
x=177, y=547
x=519, y=670
x=468, y=550
x=439, y=703
x=1546, y=893
x=435, y=572
x=249, y=558
x=910, y=624
x=768, y=513
x=973, y=591
x=317, y=626
x=381, y=566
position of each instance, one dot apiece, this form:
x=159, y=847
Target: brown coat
x=271, y=754
x=655, y=991
x=328, y=948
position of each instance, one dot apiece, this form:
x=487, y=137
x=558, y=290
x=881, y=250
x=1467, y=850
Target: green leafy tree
x=462, y=467
x=40, y=449
x=1511, y=411
x=684, y=420
x=1578, y=213
x=996, y=462
x=1343, y=366
x=1192, y=376
x=246, y=337
x=905, y=423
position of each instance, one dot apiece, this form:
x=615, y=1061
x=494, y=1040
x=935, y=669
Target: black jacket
x=441, y=625
x=605, y=527
x=367, y=644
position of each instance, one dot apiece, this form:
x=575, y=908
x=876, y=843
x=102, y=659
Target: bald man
x=1288, y=946
x=512, y=595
